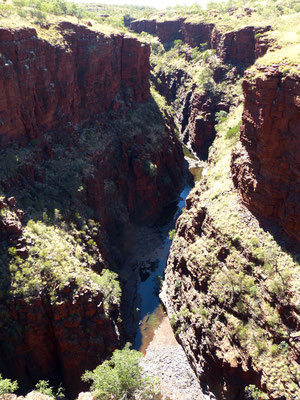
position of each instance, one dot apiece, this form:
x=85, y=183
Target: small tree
x=7, y=386
x=121, y=377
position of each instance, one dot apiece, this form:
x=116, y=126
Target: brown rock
x=11, y=201
x=144, y=25
x=45, y=87
x=265, y=167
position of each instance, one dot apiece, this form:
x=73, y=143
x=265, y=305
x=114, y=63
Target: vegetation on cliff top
x=44, y=15
x=57, y=259
x=231, y=14
x=281, y=15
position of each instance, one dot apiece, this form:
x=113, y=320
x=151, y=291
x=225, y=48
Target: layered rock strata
x=48, y=87
x=235, y=324
x=81, y=139
x=194, y=109
x=265, y=166
x=242, y=46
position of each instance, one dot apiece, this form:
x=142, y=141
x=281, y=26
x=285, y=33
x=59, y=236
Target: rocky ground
x=166, y=360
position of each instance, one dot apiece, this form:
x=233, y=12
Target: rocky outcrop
x=57, y=334
x=48, y=87
x=265, y=166
x=58, y=340
x=194, y=109
x=140, y=181
x=196, y=33
x=168, y=31
x=241, y=46
x=222, y=307
x=199, y=133
x=144, y=25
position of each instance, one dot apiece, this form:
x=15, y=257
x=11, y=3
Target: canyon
x=92, y=160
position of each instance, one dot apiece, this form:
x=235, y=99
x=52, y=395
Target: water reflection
x=152, y=271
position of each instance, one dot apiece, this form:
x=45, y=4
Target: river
x=164, y=357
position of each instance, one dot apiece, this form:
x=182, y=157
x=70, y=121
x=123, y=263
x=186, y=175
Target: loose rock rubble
x=166, y=360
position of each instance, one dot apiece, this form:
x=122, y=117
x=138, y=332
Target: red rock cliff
x=45, y=87
x=265, y=166
x=129, y=167
x=56, y=336
x=240, y=46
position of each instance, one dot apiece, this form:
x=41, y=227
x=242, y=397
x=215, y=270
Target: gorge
x=92, y=165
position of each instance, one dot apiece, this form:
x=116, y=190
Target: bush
x=221, y=116
x=172, y=234
x=120, y=377
x=45, y=388
x=233, y=132
x=7, y=386
x=253, y=393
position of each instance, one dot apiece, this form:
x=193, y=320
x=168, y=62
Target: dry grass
x=11, y=17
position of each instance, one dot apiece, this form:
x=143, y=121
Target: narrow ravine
x=164, y=357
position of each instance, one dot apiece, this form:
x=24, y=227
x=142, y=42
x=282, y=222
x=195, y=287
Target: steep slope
x=231, y=284
x=265, y=166
x=86, y=152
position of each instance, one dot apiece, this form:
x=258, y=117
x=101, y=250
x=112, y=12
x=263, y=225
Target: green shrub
x=274, y=350
x=7, y=386
x=172, y=234
x=45, y=388
x=195, y=53
x=120, y=377
x=221, y=116
x=22, y=13
x=253, y=393
x=178, y=43
x=233, y=132
x=19, y=3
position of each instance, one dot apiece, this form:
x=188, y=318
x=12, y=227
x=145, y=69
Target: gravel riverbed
x=166, y=359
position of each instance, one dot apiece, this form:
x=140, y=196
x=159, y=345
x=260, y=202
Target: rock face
x=142, y=180
x=45, y=338
x=100, y=144
x=144, y=25
x=265, y=167
x=199, y=133
x=60, y=340
x=227, y=344
x=196, y=33
x=195, y=112
x=231, y=286
x=168, y=31
x=242, y=46
x=47, y=87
